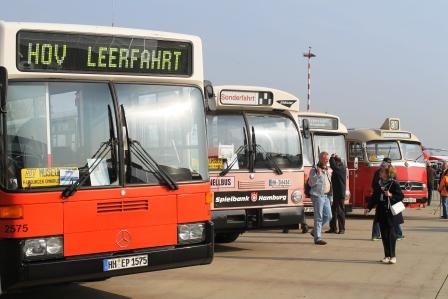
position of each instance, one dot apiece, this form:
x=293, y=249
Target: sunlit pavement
x=276, y=265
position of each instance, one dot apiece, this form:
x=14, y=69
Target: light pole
x=309, y=55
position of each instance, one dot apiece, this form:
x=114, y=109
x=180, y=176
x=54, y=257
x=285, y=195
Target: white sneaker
x=385, y=260
x=393, y=260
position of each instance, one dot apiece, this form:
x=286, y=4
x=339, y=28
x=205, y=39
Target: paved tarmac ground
x=271, y=264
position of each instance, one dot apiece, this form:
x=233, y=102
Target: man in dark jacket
x=431, y=173
x=338, y=183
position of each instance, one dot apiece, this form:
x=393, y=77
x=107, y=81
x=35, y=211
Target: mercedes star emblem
x=123, y=238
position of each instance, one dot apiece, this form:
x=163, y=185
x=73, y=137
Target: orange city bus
x=368, y=147
x=103, y=168
x=322, y=132
x=255, y=160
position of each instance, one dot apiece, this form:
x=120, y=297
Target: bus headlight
x=424, y=186
x=190, y=233
x=296, y=197
x=43, y=248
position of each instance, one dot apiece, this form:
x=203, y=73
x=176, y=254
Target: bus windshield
x=55, y=128
x=168, y=121
x=278, y=137
x=332, y=144
x=412, y=151
x=226, y=134
x=378, y=150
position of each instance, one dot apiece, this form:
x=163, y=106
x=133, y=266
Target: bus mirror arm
x=306, y=128
x=252, y=151
x=209, y=93
x=3, y=88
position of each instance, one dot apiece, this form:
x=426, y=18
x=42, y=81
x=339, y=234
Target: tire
x=226, y=237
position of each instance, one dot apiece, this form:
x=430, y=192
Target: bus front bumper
x=241, y=220
x=16, y=274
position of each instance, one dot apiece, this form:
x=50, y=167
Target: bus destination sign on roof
x=248, y=98
x=322, y=123
x=402, y=135
x=85, y=53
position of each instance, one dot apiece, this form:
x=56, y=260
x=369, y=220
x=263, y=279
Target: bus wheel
x=226, y=237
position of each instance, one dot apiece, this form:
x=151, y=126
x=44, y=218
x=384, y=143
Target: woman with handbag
x=387, y=198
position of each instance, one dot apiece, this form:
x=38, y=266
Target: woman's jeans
x=444, y=206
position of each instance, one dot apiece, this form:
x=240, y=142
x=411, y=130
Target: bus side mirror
x=355, y=163
x=306, y=128
x=3, y=87
x=208, y=90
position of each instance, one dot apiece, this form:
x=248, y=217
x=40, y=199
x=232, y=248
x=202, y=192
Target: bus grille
x=122, y=206
x=251, y=185
x=411, y=186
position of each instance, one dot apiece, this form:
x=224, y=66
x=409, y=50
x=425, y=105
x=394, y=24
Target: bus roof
x=10, y=51
x=390, y=130
x=242, y=97
x=319, y=122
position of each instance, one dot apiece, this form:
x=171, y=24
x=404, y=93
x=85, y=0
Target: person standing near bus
x=338, y=183
x=387, y=193
x=431, y=173
x=443, y=190
x=320, y=183
x=376, y=232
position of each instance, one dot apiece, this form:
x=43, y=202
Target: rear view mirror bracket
x=3, y=88
x=306, y=128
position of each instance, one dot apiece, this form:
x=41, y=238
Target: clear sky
x=374, y=58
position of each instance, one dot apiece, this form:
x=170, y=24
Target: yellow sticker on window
x=42, y=177
x=215, y=163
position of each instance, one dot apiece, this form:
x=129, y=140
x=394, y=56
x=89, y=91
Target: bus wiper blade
x=98, y=157
x=148, y=161
x=104, y=149
x=269, y=157
x=234, y=160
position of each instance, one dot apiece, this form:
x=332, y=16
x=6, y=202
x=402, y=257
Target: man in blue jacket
x=320, y=183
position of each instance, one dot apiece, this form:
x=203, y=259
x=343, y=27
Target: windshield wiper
x=268, y=156
x=136, y=148
x=102, y=152
x=235, y=159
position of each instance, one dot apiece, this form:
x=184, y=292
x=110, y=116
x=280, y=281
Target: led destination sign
x=66, y=52
x=248, y=98
x=323, y=123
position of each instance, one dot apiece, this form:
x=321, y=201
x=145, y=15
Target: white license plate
x=410, y=200
x=125, y=262
x=309, y=209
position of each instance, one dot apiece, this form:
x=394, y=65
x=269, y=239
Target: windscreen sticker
x=42, y=177
x=68, y=176
x=215, y=163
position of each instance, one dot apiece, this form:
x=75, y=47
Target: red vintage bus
x=103, y=167
x=370, y=146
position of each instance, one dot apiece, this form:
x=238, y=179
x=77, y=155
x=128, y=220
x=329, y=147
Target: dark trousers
x=429, y=197
x=338, y=212
x=389, y=237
